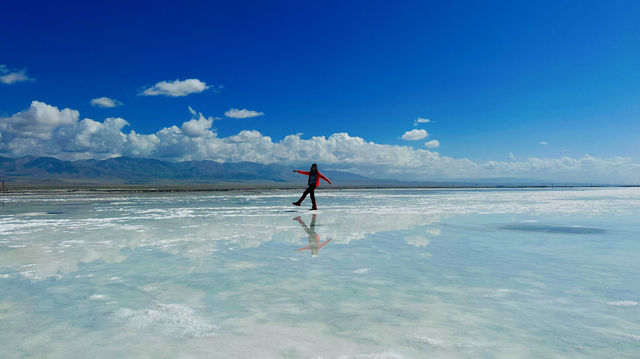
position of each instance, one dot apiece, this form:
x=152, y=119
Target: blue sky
x=496, y=79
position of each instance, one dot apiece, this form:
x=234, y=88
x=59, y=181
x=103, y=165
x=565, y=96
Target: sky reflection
x=419, y=274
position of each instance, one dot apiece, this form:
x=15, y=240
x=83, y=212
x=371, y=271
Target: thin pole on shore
x=3, y=190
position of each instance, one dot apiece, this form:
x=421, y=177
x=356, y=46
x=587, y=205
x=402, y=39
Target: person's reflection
x=314, y=239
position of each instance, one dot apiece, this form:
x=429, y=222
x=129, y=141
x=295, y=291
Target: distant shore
x=223, y=187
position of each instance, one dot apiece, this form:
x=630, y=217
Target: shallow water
x=374, y=274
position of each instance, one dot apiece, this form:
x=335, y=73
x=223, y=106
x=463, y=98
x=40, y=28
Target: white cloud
x=93, y=138
x=105, y=102
x=198, y=126
x=237, y=113
x=511, y=156
x=46, y=130
x=433, y=144
x=11, y=76
x=414, y=135
x=543, y=142
x=38, y=121
x=175, y=88
x=421, y=120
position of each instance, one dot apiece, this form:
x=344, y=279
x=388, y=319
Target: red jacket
x=317, y=177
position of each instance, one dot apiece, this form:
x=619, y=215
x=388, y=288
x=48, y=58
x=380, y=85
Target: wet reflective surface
x=372, y=274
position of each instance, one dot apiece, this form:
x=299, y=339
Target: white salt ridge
x=242, y=265
x=31, y=214
x=383, y=355
x=498, y=293
x=623, y=303
x=631, y=336
x=361, y=271
x=90, y=275
x=172, y=320
x=438, y=343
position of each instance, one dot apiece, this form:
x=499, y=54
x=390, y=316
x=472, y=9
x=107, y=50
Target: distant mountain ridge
x=30, y=170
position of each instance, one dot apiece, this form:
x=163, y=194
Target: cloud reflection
x=36, y=245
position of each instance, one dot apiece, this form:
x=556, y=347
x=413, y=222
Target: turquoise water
x=376, y=274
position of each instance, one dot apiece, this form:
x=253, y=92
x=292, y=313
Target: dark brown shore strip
x=226, y=187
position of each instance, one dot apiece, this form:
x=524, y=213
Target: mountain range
x=33, y=171
x=30, y=172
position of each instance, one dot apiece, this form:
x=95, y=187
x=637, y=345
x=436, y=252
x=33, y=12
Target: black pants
x=310, y=190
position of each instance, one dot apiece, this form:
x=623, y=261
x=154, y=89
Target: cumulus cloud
x=198, y=126
x=38, y=121
x=433, y=144
x=11, y=76
x=105, y=102
x=177, y=88
x=237, y=113
x=43, y=129
x=92, y=138
x=543, y=142
x=420, y=120
x=414, y=135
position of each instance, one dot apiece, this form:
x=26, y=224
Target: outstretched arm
x=302, y=172
x=319, y=246
x=323, y=177
x=325, y=243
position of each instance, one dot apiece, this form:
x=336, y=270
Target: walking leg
x=304, y=195
x=313, y=198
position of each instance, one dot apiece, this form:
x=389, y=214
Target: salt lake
x=387, y=273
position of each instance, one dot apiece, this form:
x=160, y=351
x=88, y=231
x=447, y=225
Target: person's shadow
x=314, y=239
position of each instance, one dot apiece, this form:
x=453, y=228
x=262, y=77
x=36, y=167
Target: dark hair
x=314, y=168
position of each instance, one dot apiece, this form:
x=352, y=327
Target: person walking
x=313, y=182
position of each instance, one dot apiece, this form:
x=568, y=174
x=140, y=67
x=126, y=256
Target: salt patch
x=430, y=341
x=623, y=303
x=498, y=293
x=170, y=320
x=384, y=355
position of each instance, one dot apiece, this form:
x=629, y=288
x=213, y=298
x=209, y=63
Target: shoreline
x=262, y=187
